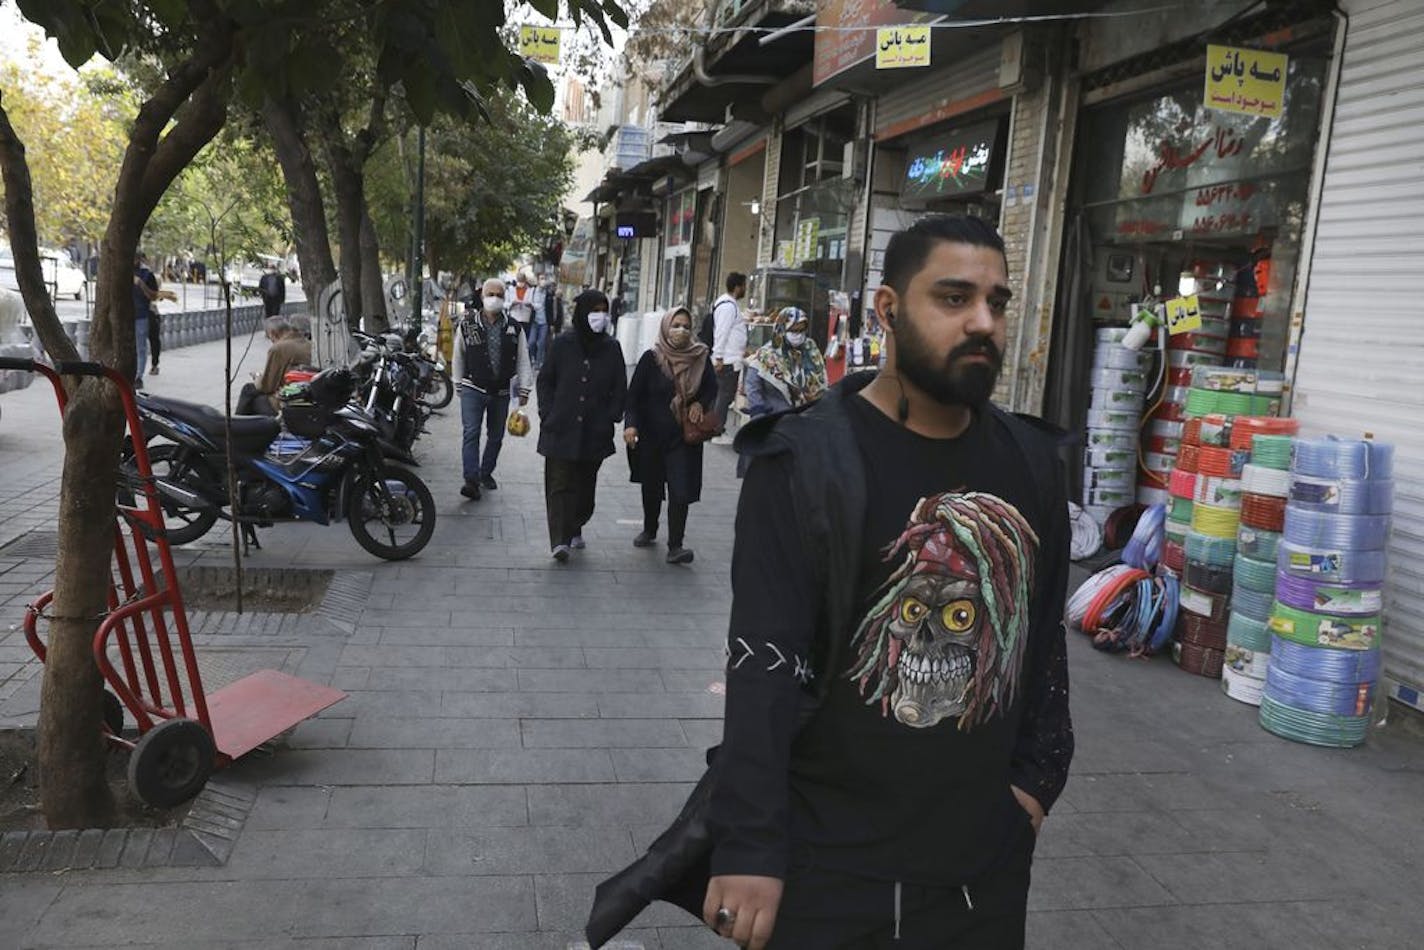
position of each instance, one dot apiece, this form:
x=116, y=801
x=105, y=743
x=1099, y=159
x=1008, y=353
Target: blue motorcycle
x=324, y=460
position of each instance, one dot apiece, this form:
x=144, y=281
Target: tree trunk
x=349, y=209
x=373, y=289
x=303, y=197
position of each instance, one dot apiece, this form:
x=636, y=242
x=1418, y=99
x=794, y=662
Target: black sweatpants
x=652, y=510
x=155, y=338
x=569, y=488
x=829, y=910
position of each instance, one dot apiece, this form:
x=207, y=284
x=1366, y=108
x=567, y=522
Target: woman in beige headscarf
x=674, y=380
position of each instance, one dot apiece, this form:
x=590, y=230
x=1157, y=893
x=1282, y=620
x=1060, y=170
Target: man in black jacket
x=272, y=288
x=491, y=356
x=901, y=548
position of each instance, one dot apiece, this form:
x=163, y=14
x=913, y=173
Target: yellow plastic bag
x=518, y=424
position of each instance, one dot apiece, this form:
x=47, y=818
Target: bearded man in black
x=897, y=718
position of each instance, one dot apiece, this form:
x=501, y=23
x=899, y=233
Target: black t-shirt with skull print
x=905, y=772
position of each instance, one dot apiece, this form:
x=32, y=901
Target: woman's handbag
x=706, y=427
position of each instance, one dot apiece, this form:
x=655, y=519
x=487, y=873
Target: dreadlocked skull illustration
x=946, y=637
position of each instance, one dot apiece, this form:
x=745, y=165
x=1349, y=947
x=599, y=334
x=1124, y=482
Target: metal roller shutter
x=965, y=82
x=1361, y=357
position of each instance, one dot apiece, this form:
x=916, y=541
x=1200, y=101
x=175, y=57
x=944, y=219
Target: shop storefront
x=679, y=232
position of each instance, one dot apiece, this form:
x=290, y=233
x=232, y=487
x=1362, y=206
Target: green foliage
x=494, y=190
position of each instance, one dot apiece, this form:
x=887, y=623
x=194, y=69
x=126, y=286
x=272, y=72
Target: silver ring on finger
x=725, y=917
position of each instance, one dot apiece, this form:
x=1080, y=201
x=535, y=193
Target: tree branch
x=24, y=242
x=369, y=137
x=202, y=120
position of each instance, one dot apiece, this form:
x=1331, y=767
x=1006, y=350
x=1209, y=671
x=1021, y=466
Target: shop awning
x=618, y=183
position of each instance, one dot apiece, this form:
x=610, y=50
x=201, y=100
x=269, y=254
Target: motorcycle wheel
x=412, y=506
x=183, y=524
x=440, y=392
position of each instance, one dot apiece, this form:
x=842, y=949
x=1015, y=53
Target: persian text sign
x=1248, y=81
x=540, y=43
x=1183, y=315
x=897, y=47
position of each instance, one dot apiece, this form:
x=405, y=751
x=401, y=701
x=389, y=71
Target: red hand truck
x=184, y=733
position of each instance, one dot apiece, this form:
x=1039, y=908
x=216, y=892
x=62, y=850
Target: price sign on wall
x=1183, y=315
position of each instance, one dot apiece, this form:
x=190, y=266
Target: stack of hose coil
x=1326, y=621
x=1251, y=283
x=1265, y=483
x=1120, y=379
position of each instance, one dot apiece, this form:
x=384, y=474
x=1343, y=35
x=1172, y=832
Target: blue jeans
x=538, y=336
x=476, y=408
x=141, y=343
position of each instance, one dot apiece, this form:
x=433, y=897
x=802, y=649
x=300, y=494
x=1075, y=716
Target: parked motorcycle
x=330, y=464
x=434, y=387
x=388, y=383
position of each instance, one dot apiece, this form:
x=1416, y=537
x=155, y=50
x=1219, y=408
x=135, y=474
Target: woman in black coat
x=582, y=386
x=673, y=379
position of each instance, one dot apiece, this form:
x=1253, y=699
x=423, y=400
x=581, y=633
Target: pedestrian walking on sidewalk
x=900, y=559
x=520, y=304
x=145, y=292
x=491, y=365
x=786, y=373
x=674, y=381
x=729, y=341
x=582, y=388
x=272, y=288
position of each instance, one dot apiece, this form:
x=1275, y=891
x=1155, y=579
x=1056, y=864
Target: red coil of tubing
x=1174, y=556
x=1093, y=618
x=1266, y=512
x=1161, y=444
x=1245, y=428
x=1204, y=603
x=1188, y=457
x=1179, y=376
x=1170, y=411
x=1246, y=307
x=1240, y=347
x=1200, y=661
x=1199, y=631
x=1220, y=463
x=1182, y=484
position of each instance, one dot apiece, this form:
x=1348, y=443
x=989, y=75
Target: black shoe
x=488, y=482
x=679, y=555
x=561, y=553
x=577, y=542
x=471, y=490
x=645, y=539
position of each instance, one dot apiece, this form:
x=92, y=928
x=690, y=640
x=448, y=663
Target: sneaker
x=561, y=553
x=488, y=482
x=576, y=542
x=645, y=539
x=153, y=371
x=679, y=555
x=471, y=490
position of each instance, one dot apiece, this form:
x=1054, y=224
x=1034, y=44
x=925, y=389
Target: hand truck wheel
x=171, y=762
x=113, y=714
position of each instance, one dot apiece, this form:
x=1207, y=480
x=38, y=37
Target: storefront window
x=682, y=217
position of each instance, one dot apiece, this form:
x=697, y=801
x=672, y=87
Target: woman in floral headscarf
x=674, y=380
x=787, y=372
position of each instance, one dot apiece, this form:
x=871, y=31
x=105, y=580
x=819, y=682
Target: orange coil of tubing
x=1243, y=348
x=1182, y=484
x=1188, y=457
x=1200, y=661
x=1247, y=427
x=1220, y=463
x=1266, y=512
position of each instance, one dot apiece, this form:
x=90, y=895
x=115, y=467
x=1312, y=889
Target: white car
x=62, y=277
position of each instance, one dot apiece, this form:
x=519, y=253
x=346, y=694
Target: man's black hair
x=908, y=249
x=734, y=280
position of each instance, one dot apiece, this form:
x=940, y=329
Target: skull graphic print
x=946, y=635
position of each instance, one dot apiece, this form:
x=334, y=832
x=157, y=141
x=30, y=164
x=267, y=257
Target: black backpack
x=707, y=333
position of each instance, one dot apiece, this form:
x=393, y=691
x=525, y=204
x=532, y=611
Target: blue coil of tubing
x=1345, y=496
x=1319, y=529
x=1253, y=604
x=1325, y=663
x=1212, y=552
x=1144, y=549
x=1328, y=597
x=1300, y=692
x=1242, y=631
x=1331, y=564
x=1330, y=457
x=1322, y=729
x=1252, y=574
x=1256, y=543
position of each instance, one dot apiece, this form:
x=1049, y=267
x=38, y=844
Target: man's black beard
x=967, y=385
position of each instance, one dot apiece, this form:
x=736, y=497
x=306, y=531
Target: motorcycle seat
x=249, y=433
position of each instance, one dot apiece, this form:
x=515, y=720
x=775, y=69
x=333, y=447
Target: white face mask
x=494, y=304
x=795, y=339
x=598, y=321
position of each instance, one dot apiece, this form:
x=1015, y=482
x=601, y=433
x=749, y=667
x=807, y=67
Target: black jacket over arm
x=581, y=396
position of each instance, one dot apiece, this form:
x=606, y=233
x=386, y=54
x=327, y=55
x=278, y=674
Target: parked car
x=63, y=278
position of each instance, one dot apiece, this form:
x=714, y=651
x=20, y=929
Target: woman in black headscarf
x=582, y=387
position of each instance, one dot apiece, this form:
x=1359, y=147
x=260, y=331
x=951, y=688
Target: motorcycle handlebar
x=17, y=363
x=79, y=368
